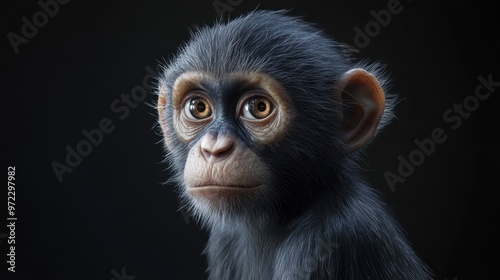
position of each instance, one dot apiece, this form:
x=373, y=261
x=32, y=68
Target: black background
x=113, y=212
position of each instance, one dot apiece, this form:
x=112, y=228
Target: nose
x=216, y=147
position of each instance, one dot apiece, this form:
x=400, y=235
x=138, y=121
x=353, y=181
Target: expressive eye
x=198, y=108
x=257, y=108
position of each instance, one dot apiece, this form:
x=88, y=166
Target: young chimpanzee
x=263, y=118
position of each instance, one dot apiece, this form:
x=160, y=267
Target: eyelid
x=193, y=94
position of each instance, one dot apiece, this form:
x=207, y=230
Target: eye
x=198, y=108
x=257, y=108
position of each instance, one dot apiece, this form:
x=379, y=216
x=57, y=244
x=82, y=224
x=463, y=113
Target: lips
x=222, y=186
x=216, y=193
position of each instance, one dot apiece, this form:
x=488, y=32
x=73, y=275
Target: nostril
x=221, y=149
x=206, y=153
x=216, y=146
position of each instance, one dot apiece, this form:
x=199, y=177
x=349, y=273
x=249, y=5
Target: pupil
x=261, y=106
x=200, y=107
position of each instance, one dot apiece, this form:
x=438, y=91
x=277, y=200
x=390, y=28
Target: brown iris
x=198, y=108
x=257, y=108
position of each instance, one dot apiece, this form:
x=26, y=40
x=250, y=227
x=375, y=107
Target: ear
x=162, y=117
x=363, y=103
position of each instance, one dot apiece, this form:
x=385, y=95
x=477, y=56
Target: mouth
x=217, y=191
x=223, y=187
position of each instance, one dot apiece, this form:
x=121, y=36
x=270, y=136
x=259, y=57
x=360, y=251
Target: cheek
x=193, y=169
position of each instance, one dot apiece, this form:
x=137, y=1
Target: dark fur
x=319, y=220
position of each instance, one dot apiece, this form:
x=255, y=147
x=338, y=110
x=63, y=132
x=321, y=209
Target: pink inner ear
x=364, y=103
